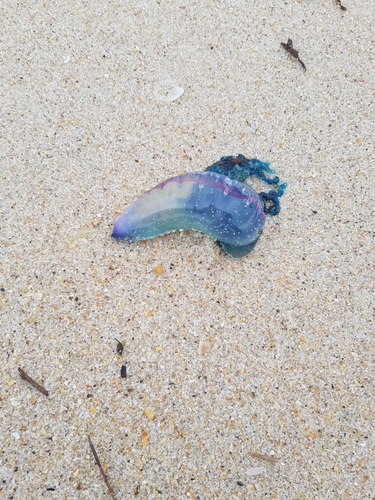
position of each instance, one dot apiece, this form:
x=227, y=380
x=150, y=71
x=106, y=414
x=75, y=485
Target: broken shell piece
x=174, y=94
x=149, y=414
x=255, y=471
x=167, y=92
x=144, y=439
x=204, y=346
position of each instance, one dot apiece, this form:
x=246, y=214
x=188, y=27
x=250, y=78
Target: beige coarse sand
x=282, y=404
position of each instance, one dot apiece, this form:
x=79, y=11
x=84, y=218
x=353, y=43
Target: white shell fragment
x=174, y=94
x=204, y=346
x=255, y=471
x=168, y=92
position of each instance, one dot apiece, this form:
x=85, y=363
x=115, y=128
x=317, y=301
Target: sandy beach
x=282, y=404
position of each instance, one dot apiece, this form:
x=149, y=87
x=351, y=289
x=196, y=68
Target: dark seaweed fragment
x=293, y=52
x=341, y=5
x=32, y=382
x=119, y=347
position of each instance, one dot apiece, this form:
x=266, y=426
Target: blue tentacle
x=273, y=197
x=240, y=168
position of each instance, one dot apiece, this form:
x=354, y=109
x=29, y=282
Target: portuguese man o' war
x=216, y=202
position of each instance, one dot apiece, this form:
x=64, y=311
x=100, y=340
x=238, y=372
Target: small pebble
x=254, y=471
x=204, y=346
x=144, y=439
x=149, y=414
x=123, y=371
